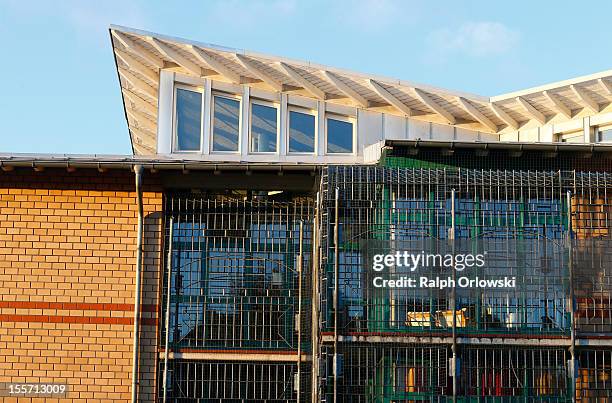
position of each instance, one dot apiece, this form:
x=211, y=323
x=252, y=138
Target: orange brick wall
x=67, y=268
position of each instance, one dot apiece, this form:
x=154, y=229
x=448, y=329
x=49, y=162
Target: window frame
x=598, y=130
x=305, y=111
x=180, y=86
x=212, y=121
x=570, y=135
x=267, y=103
x=342, y=118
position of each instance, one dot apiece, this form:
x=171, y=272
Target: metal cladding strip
x=128, y=161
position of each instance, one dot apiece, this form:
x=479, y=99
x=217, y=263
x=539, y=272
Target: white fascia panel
x=394, y=127
x=165, y=112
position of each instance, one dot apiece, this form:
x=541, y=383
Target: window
x=226, y=123
x=301, y=132
x=188, y=120
x=571, y=137
x=604, y=135
x=339, y=135
x=264, y=126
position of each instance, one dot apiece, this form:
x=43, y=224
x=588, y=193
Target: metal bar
x=570, y=263
x=167, y=319
x=452, y=235
x=336, y=287
x=299, y=318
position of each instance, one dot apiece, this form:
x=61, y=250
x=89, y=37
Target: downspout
x=138, y=179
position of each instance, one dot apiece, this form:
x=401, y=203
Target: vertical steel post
x=454, y=297
x=570, y=267
x=336, y=285
x=299, y=315
x=315, y=303
x=167, y=318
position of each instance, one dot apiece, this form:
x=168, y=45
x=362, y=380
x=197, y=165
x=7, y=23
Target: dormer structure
x=186, y=98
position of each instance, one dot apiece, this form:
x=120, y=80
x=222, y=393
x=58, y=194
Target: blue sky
x=60, y=92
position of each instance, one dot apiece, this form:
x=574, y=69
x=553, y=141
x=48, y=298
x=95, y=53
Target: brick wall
x=67, y=267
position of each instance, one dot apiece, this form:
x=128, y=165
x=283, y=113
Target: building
x=228, y=258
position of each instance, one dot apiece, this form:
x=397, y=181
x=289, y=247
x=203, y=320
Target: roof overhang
x=141, y=55
x=578, y=148
x=39, y=162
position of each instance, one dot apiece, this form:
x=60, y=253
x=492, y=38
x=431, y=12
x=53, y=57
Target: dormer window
x=226, y=123
x=188, y=120
x=264, y=127
x=302, y=126
x=340, y=134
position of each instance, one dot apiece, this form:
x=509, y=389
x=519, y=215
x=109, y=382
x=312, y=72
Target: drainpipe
x=138, y=179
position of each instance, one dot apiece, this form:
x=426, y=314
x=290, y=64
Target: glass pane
x=188, y=120
x=605, y=135
x=301, y=132
x=339, y=136
x=263, y=128
x=226, y=124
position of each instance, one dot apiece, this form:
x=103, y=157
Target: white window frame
x=602, y=128
x=212, y=121
x=342, y=118
x=305, y=111
x=191, y=88
x=578, y=134
x=271, y=104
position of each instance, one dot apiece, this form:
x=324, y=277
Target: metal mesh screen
x=239, y=284
x=548, y=228
x=234, y=281
x=388, y=373
x=526, y=374
x=594, y=376
x=219, y=381
x=533, y=210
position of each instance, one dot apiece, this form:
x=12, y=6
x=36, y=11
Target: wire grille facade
x=239, y=285
x=270, y=297
x=223, y=381
x=547, y=228
x=388, y=373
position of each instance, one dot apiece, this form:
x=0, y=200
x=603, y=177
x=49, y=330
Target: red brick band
x=75, y=319
x=75, y=306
